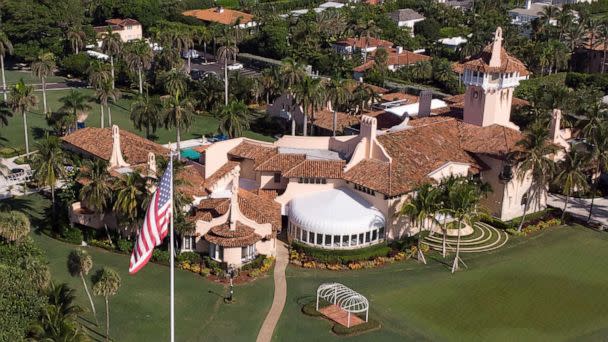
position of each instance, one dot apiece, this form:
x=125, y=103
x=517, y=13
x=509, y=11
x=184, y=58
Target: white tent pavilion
x=345, y=298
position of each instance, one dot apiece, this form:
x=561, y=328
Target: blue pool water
x=190, y=154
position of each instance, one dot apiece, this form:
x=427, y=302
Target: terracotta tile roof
x=281, y=162
x=430, y=143
x=267, y=193
x=395, y=59
x=98, y=142
x=241, y=236
x=221, y=172
x=385, y=119
x=256, y=152
x=123, y=22
x=226, y=16
x=458, y=101
x=378, y=90
x=325, y=119
x=481, y=62
x=365, y=42
x=332, y=169
x=400, y=97
x=190, y=182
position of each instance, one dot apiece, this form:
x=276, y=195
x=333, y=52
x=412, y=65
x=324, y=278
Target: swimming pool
x=190, y=153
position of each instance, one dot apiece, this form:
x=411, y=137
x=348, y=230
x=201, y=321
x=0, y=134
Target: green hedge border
x=333, y=256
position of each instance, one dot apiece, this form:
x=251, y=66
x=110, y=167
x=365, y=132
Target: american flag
x=156, y=224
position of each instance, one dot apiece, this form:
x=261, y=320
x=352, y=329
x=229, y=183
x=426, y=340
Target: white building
x=128, y=29
x=406, y=18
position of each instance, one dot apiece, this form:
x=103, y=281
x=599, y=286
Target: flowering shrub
x=266, y=265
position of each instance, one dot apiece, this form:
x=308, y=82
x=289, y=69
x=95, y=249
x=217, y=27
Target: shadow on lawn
x=30, y=205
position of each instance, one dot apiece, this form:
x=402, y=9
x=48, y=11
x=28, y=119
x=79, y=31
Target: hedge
x=342, y=256
x=371, y=324
x=9, y=152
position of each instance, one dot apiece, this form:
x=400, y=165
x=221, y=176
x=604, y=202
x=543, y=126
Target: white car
x=193, y=54
x=235, y=66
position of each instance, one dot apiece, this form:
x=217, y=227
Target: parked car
x=235, y=66
x=193, y=54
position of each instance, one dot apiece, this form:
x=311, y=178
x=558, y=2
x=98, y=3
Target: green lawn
x=140, y=311
x=548, y=287
x=12, y=136
x=13, y=76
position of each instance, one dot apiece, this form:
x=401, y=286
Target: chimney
x=368, y=130
x=116, y=159
x=399, y=50
x=234, y=199
x=151, y=165
x=555, y=130
x=495, y=60
x=528, y=4
x=424, y=103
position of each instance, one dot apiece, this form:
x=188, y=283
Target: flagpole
x=172, y=252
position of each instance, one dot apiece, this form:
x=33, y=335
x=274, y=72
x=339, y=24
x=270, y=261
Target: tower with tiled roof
x=491, y=78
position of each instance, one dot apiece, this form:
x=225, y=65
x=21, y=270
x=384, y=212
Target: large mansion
x=337, y=192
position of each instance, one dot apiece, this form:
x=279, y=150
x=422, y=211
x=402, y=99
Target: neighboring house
x=397, y=58
x=452, y=43
x=128, y=29
x=406, y=18
x=224, y=16
x=590, y=57
x=363, y=45
x=458, y=4
x=321, y=8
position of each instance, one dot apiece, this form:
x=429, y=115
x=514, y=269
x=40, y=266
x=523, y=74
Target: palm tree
x=73, y=103
x=175, y=82
x=96, y=193
x=598, y=149
x=48, y=164
x=6, y=48
x=268, y=83
x=107, y=94
x=111, y=45
x=421, y=209
x=138, y=56
x=80, y=264
x=145, y=114
x=76, y=37
x=534, y=160
x=603, y=36
x=292, y=72
x=21, y=99
x=14, y=226
x=106, y=283
x=309, y=94
x=463, y=198
x=5, y=113
x=37, y=272
x=571, y=175
x=98, y=73
x=178, y=114
x=224, y=53
x=42, y=68
x=235, y=118
x=130, y=197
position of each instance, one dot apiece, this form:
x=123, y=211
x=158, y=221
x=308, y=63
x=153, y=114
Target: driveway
x=580, y=207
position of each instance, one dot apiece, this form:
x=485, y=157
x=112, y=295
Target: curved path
x=489, y=239
x=280, y=294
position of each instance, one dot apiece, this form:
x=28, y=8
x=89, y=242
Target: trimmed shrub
x=9, y=152
x=105, y=244
x=76, y=65
x=371, y=324
x=191, y=257
x=255, y=264
x=310, y=309
x=124, y=246
x=72, y=235
x=160, y=256
x=494, y=222
x=342, y=256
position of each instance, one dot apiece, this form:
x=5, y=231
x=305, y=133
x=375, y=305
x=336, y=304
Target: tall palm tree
x=111, y=45
x=571, y=175
x=309, y=94
x=5, y=113
x=268, y=82
x=99, y=75
x=138, y=56
x=184, y=42
x=76, y=37
x=534, y=159
x=80, y=264
x=463, y=198
x=235, y=118
x=421, y=209
x=224, y=53
x=96, y=193
x=598, y=150
x=175, y=82
x=21, y=99
x=292, y=73
x=74, y=103
x=107, y=94
x=145, y=113
x=106, y=283
x=130, y=198
x=48, y=164
x=42, y=68
x=14, y=226
x=178, y=114
x=6, y=48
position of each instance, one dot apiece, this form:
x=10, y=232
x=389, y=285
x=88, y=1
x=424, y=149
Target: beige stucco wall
x=248, y=169
x=490, y=107
x=266, y=181
x=450, y=169
x=129, y=33
x=216, y=155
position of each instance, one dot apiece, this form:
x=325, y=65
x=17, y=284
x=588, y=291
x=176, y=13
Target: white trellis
x=347, y=299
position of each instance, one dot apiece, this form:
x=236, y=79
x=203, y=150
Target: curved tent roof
x=335, y=212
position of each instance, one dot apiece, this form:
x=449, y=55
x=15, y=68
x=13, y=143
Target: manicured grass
x=13, y=76
x=549, y=286
x=12, y=135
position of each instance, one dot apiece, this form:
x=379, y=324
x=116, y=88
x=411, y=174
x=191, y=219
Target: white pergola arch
x=344, y=297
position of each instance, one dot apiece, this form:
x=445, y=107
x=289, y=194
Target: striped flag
x=156, y=223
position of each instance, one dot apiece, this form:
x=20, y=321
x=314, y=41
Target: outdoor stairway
x=485, y=238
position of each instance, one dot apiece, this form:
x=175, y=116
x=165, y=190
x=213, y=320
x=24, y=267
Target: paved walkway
x=280, y=294
x=580, y=207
